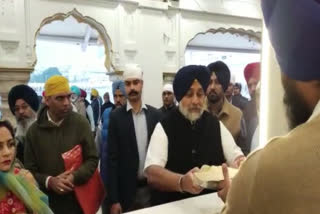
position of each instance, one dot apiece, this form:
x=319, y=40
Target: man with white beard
x=23, y=103
x=186, y=139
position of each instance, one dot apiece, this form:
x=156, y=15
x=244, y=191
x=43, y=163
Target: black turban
x=222, y=72
x=185, y=77
x=23, y=92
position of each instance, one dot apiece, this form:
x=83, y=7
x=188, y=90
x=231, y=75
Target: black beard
x=213, y=98
x=296, y=108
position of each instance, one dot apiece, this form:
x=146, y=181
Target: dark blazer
x=240, y=101
x=123, y=157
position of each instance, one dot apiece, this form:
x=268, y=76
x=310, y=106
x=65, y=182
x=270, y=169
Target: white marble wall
x=273, y=120
x=150, y=33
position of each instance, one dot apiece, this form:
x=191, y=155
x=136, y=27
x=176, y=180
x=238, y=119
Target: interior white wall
x=152, y=34
x=273, y=121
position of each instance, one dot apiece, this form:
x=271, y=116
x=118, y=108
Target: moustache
x=22, y=118
x=212, y=92
x=133, y=93
x=195, y=108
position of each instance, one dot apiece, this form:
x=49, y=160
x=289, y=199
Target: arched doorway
x=236, y=48
x=76, y=47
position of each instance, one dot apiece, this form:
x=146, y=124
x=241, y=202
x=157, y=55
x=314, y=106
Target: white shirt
x=141, y=131
x=51, y=121
x=316, y=112
x=158, y=147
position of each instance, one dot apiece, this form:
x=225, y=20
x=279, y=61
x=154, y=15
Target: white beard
x=23, y=126
x=192, y=116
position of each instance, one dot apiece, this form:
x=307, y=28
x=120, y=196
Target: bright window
x=84, y=67
x=236, y=62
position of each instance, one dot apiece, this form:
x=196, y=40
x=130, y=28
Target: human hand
x=187, y=184
x=224, y=185
x=59, y=185
x=238, y=161
x=116, y=209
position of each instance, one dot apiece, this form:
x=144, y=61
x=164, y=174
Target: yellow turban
x=56, y=85
x=94, y=92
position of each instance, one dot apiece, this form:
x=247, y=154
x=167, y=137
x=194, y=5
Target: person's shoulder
x=161, y=109
x=304, y=137
x=34, y=125
x=106, y=112
x=244, y=99
x=152, y=109
x=33, y=128
x=26, y=174
x=234, y=110
x=210, y=117
x=281, y=153
x=207, y=114
x=76, y=116
x=118, y=112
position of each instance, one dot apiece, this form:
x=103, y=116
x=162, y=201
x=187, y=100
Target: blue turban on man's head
x=75, y=90
x=186, y=76
x=119, y=84
x=294, y=29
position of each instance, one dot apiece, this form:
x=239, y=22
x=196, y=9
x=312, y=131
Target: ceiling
x=70, y=28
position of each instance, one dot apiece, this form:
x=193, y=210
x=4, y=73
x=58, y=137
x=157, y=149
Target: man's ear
x=46, y=100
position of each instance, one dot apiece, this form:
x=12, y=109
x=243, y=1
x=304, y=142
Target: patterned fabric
x=19, y=194
x=11, y=204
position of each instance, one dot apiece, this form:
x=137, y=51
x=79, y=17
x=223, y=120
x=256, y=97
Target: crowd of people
x=143, y=156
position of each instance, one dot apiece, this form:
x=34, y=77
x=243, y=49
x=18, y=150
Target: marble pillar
x=10, y=77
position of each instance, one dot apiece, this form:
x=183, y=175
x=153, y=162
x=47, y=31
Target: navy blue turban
x=222, y=72
x=294, y=29
x=23, y=92
x=186, y=76
x=118, y=85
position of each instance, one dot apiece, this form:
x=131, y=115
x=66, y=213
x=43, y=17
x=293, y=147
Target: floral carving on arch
x=87, y=20
x=254, y=35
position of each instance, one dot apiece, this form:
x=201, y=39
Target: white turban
x=168, y=87
x=132, y=72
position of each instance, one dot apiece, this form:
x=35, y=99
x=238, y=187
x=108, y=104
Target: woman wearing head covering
x=18, y=190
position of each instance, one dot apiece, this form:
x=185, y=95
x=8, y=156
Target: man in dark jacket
x=238, y=100
x=96, y=104
x=129, y=132
x=187, y=138
x=107, y=103
x=56, y=131
x=168, y=99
